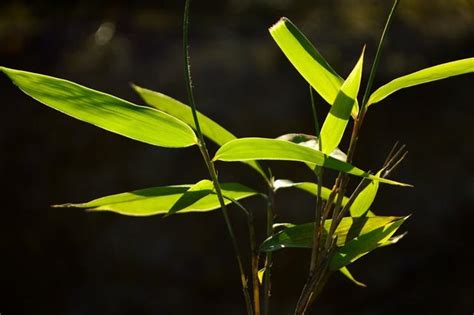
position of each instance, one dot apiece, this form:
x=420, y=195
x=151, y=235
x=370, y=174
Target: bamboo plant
x=345, y=227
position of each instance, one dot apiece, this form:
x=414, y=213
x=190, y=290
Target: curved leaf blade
x=307, y=60
x=161, y=200
x=430, y=74
x=247, y=149
x=175, y=108
x=105, y=111
x=338, y=117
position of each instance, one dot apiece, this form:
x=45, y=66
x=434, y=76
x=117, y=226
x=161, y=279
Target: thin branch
x=207, y=159
x=268, y=257
x=375, y=65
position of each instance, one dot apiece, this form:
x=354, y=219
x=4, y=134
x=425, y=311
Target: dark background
x=67, y=261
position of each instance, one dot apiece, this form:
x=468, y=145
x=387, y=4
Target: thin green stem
x=207, y=159
x=375, y=65
x=268, y=257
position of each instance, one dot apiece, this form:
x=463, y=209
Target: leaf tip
x=281, y=21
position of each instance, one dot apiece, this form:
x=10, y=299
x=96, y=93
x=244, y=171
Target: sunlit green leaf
x=160, y=200
x=105, y=111
x=349, y=276
x=301, y=236
x=175, y=108
x=430, y=74
x=336, y=121
x=247, y=149
x=195, y=193
x=364, y=200
x=307, y=60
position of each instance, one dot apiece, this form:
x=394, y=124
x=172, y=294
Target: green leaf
x=246, y=149
x=105, y=111
x=175, y=108
x=308, y=61
x=349, y=276
x=161, y=200
x=364, y=244
x=430, y=74
x=195, y=193
x=349, y=229
x=364, y=200
x=336, y=121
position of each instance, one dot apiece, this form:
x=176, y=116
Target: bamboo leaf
x=175, y=108
x=336, y=121
x=364, y=200
x=105, y=111
x=430, y=74
x=349, y=276
x=349, y=229
x=195, y=193
x=364, y=244
x=308, y=61
x=161, y=200
x=247, y=149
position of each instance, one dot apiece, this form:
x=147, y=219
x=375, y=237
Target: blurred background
x=67, y=261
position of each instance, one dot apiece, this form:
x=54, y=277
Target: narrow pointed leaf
x=338, y=117
x=307, y=60
x=364, y=200
x=301, y=236
x=349, y=276
x=430, y=74
x=160, y=200
x=105, y=111
x=247, y=149
x=175, y=108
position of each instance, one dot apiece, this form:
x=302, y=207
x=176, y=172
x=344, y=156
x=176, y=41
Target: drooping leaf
x=349, y=276
x=338, y=117
x=175, y=108
x=301, y=236
x=430, y=74
x=160, y=200
x=105, y=111
x=247, y=149
x=364, y=200
x=308, y=61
